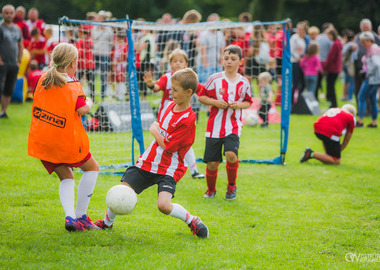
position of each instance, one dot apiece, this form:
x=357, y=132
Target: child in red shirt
x=33, y=76
x=86, y=59
x=329, y=128
x=37, y=48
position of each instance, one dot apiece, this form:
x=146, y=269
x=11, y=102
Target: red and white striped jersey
x=165, y=85
x=223, y=122
x=178, y=128
x=334, y=123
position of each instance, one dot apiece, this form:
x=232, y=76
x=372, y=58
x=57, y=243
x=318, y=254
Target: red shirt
x=39, y=43
x=223, y=122
x=86, y=58
x=278, y=37
x=334, y=123
x=178, y=128
x=33, y=78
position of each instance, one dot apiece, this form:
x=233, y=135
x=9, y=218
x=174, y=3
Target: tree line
x=342, y=13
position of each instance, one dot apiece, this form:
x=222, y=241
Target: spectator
x=246, y=17
x=333, y=66
x=19, y=19
x=359, y=76
x=324, y=44
x=51, y=42
x=349, y=47
x=270, y=36
x=210, y=46
x=313, y=32
x=311, y=65
x=33, y=76
x=146, y=48
x=102, y=38
x=10, y=56
x=34, y=21
x=297, y=50
x=258, y=53
x=86, y=60
x=163, y=36
x=37, y=48
x=191, y=16
x=266, y=93
x=120, y=55
x=368, y=90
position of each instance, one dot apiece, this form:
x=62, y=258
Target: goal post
x=145, y=47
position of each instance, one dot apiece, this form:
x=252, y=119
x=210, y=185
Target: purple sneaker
x=73, y=225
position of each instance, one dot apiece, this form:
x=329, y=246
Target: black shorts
x=8, y=78
x=140, y=180
x=278, y=66
x=213, y=149
x=332, y=147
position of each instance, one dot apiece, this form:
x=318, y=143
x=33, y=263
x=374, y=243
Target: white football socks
x=66, y=195
x=109, y=218
x=190, y=160
x=179, y=212
x=85, y=189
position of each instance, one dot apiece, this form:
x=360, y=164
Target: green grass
x=285, y=217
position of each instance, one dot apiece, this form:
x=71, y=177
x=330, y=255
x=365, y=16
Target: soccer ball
x=121, y=199
x=251, y=118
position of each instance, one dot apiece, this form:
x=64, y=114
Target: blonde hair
x=178, y=52
x=313, y=30
x=186, y=78
x=349, y=108
x=62, y=56
x=265, y=75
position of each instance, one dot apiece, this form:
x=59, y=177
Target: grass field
x=295, y=216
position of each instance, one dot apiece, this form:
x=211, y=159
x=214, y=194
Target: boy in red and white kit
x=227, y=93
x=162, y=163
x=178, y=60
x=329, y=128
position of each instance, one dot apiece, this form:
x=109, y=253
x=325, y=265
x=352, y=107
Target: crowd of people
x=315, y=54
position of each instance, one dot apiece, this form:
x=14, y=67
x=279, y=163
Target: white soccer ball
x=251, y=119
x=121, y=199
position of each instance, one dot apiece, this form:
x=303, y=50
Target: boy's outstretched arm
x=148, y=79
x=154, y=129
x=346, y=140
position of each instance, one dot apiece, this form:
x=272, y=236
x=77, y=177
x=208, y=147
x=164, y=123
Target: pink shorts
x=49, y=166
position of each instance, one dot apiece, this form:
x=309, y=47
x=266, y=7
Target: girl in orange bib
x=58, y=138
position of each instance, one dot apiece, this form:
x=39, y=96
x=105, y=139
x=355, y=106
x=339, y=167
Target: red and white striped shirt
x=165, y=85
x=223, y=122
x=334, y=123
x=178, y=128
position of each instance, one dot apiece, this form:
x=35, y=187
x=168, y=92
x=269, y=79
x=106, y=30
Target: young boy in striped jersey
x=227, y=93
x=162, y=163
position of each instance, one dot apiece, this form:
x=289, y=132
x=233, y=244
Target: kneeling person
x=162, y=163
x=329, y=128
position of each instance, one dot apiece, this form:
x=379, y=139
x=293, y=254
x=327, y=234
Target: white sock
x=190, y=160
x=179, y=212
x=85, y=190
x=109, y=218
x=66, y=194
